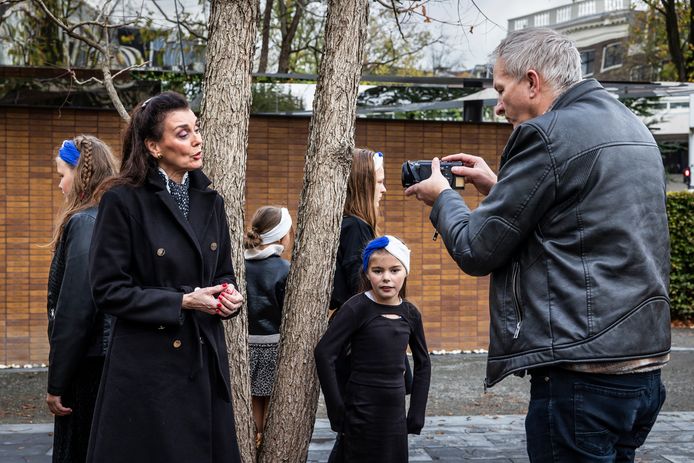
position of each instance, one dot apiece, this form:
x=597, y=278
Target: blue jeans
x=586, y=417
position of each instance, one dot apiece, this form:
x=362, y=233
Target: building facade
x=601, y=30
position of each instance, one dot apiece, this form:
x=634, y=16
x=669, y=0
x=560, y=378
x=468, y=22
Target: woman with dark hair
x=77, y=331
x=160, y=263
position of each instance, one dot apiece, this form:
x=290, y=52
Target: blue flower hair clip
x=378, y=160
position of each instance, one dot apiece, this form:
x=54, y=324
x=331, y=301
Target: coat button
x=213, y=246
x=177, y=343
x=161, y=252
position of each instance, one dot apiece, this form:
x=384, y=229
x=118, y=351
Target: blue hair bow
x=374, y=245
x=69, y=153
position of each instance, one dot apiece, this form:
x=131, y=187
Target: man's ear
x=534, y=83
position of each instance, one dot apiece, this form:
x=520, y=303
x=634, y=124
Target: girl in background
x=77, y=332
x=378, y=325
x=266, y=275
x=365, y=188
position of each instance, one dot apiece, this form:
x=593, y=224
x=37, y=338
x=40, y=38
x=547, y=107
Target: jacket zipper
x=515, y=280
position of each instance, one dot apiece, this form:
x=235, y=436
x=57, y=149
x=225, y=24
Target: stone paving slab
x=502, y=439
x=450, y=439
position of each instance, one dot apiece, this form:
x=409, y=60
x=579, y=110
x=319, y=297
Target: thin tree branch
x=130, y=68
x=654, y=5
x=397, y=21
x=69, y=30
x=184, y=24
x=485, y=16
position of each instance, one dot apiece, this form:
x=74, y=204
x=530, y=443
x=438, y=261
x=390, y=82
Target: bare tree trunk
x=288, y=33
x=673, y=38
x=265, y=34
x=328, y=159
x=225, y=115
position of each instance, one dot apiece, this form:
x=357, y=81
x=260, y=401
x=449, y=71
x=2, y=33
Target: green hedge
x=680, y=208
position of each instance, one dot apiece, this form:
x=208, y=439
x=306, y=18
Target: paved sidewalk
x=499, y=438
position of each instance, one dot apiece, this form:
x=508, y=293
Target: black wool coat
x=165, y=393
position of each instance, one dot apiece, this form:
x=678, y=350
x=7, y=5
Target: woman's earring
x=159, y=156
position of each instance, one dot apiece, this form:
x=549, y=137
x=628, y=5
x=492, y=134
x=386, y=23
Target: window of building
x=612, y=56
x=541, y=20
x=520, y=24
x=587, y=62
x=612, y=5
x=564, y=14
x=586, y=8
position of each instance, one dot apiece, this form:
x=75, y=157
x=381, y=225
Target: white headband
x=378, y=160
x=279, y=230
x=391, y=244
x=398, y=249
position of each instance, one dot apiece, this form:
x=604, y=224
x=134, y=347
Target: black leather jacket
x=575, y=236
x=265, y=284
x=76, y=329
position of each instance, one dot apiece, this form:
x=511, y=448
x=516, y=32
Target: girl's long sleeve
x=422, y=375
x=326, y=354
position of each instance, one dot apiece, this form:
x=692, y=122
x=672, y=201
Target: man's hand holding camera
x=474, y=170
x=430, y=189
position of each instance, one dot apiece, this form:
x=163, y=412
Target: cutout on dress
x=391, y=316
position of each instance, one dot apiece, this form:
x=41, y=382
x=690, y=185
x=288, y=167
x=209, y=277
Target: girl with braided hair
x=77, y=331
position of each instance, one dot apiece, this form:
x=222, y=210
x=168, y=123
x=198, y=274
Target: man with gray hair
x=574, y=234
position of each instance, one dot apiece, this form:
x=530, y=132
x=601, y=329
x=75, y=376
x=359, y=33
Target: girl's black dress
x=370, y=415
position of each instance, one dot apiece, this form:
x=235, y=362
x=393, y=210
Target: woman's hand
x=231, y=301
x=221, y=300
x=56, y=406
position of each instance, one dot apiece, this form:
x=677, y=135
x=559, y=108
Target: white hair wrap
x=398, y=249
x=279, y=230
x=378, y=160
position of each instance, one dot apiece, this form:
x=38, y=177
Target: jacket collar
x=198, y=180
x=259, y=254
x=201, y=204
x=575, y=92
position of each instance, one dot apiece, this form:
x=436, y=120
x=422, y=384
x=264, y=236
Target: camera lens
x=407, y=177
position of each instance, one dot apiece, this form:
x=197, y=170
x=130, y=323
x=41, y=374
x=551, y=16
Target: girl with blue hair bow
x=378, y=325
x=78, y=332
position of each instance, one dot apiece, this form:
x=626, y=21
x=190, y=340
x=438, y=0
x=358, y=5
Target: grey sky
x=474, y=48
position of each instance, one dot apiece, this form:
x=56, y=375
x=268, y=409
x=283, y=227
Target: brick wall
x=454, y=305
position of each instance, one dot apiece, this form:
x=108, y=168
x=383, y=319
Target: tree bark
x=265, y=34
x=328, y=160
x=225, y=115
